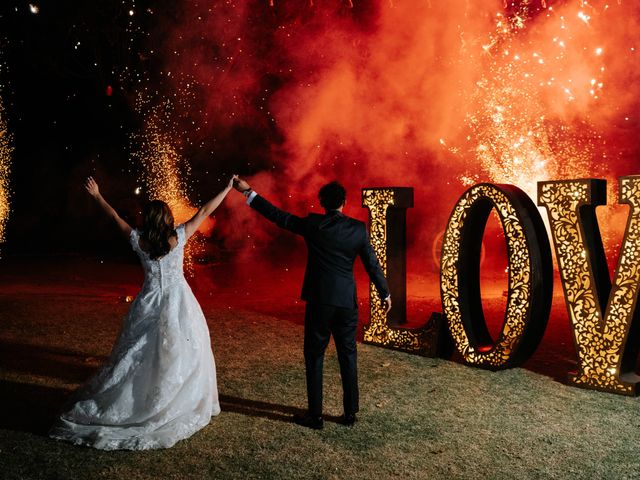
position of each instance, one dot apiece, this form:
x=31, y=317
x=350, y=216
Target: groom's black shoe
x=309, y=421
x=348, y=419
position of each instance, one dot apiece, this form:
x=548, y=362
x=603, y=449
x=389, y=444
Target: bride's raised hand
x=232, y=182
x=92, y=187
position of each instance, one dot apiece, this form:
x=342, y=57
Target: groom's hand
x=387, y=304
x=240, y=185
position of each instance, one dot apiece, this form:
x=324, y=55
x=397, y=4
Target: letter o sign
x=530, y=276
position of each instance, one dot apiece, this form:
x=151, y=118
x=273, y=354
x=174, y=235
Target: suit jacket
x=333, y=242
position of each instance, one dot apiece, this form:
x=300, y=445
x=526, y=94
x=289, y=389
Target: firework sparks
x=539, y=104
x=6, y=150
x=517, y=137
x=164, y=170
x=157, y=147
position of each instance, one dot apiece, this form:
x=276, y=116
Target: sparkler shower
x=165, y=169
x=6, y=150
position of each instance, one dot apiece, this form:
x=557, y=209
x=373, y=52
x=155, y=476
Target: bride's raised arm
x=207, y=209
x=93, y=189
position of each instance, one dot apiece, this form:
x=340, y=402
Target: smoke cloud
x=433, y=95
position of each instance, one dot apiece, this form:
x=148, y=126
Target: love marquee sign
x=602, y=312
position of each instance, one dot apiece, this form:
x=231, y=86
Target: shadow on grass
x=48, y=361
x=257, y=408
x=30, y=408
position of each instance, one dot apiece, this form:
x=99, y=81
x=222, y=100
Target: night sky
x=57, y=65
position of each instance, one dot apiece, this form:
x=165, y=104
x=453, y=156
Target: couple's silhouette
x=159, y=384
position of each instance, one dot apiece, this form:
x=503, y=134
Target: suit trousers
x=320, y=322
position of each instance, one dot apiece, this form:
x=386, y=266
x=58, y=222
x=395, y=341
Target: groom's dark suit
x=333, y=242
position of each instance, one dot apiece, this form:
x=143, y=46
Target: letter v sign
x=606, y=344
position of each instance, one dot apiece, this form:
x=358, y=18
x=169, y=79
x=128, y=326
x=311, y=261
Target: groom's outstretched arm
x=270, y=212
x=281, y=218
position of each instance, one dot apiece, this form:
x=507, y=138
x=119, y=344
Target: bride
x=159, y=384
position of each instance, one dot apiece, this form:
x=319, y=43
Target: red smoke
x=433, y=95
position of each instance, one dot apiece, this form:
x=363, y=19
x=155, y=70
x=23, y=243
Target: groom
x=333, y=243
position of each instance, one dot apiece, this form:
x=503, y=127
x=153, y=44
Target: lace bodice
x=165, y=271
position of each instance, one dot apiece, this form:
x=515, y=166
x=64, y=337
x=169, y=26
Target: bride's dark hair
x=157, y=228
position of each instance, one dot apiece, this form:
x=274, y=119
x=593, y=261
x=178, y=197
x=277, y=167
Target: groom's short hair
x=332, y=196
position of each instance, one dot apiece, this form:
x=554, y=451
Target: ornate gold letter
x=387, y=229
x=530, y=276
x=606, y=358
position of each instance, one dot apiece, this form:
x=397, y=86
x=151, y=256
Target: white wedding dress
x=159, y=384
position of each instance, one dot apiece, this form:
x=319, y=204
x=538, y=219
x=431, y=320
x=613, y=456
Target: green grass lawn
x=420, y=418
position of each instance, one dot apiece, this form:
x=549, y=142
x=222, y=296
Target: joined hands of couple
x=240, y=185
